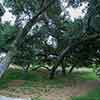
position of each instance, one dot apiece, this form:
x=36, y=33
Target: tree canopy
x=43, y=34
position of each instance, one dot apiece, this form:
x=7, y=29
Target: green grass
x=10, y=75
x=32, y=78
x=84, y=75
x=38, y=98
x=41, y=82
x=38, y=78
x=93, y=95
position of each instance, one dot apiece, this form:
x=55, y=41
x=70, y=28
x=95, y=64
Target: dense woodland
x=44, y=35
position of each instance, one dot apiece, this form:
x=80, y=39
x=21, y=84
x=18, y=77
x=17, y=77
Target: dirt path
x=51, y=93
x=76, y=90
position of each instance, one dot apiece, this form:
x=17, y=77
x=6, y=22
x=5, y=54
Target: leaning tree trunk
x=5, y=63
x=68, y=48
x=71, y=69
x=60, y=59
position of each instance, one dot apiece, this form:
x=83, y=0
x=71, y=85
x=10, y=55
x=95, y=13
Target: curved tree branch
x=67, y=50
x=5, y=63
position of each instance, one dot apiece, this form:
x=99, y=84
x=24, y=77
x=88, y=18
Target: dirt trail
x=76, y=90
x=53, y=93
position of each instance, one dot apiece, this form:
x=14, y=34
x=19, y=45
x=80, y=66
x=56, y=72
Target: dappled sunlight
x=8, y=17
x=49, y=49
x=73, y=13
x=79, y=12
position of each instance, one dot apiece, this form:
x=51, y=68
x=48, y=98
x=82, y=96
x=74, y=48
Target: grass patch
x=93, y=95
x=9, y=75
x=41, y=79
x=38, y=98
x=38, y=82
x=33, y=78
x=82, y=76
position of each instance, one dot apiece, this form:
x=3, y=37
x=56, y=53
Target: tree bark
x=68, y=48
x=63, y=69
x=5, y=63
x=71, y=69
x=60, y=58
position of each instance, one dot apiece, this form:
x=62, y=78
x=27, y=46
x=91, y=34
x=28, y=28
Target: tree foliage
x=71, y=43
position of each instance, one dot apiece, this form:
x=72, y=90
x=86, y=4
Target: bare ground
x=49, y=93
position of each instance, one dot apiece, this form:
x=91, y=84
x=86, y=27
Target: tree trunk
x=60, y=58
x=71, y=69
x=26, y=68
x=25, y=71
x=63, y=69
x=5, y=63
x=68, y=48
x=53, y=71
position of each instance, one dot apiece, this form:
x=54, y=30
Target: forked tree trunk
x=60, y=59
x=25, y=71
x=22, y=33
